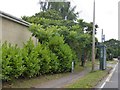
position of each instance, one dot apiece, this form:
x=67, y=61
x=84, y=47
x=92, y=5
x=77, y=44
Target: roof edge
x=13, y=18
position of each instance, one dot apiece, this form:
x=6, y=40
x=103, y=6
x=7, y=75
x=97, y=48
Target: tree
x=49, y=14
x=87, y=27
x=73, y=32
x=66, y=11
x=113, y=48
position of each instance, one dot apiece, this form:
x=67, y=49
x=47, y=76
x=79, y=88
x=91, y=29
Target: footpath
x=60, y=83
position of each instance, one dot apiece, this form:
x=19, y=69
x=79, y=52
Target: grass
x=27, y=83
x=88, y=81
x=112, y=62
x=91, y=79
x=78, y=68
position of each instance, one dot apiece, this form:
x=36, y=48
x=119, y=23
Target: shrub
x=6, y=68
x=62, y=51
x=51, y=57
x=54, y=63
x=11, y=62
x=43, y=57
x=30, y=58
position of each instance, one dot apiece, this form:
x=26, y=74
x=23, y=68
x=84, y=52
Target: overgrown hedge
x=31, y=60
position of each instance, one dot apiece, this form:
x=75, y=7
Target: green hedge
x=63, y=51
x=12, y=63
x=31, y=61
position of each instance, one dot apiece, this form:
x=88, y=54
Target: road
x=113, y=79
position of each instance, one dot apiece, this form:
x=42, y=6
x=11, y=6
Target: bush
x=54, y=63
x=65, y=58
x=48, y=61
x=63, y=52
x=30, y=58
x=11, y=62
x=6, y=68
x=44, y=58
x=52, y=57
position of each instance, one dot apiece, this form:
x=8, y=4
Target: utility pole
x=93, y=44
x=102, y=36
x=39, y=4
x=118, y=27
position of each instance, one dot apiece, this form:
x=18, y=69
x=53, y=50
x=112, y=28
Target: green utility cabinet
x=102, y=57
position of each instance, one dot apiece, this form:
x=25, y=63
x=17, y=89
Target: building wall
x=0, y=30
x=15, y=33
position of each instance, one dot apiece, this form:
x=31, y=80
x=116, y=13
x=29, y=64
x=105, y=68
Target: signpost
x=72, y=66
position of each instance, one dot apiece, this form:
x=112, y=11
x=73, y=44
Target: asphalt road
x=112, y=82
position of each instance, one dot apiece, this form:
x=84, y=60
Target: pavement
x=60, y=83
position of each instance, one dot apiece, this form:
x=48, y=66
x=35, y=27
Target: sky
x=106, y=15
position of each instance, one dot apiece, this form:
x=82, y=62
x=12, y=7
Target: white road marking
x=109, y=77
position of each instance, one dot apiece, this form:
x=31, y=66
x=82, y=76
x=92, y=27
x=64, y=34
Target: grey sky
x=106, y=12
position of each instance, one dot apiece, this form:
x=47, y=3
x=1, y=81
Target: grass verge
x=88, y=81
x=112, y=61
x=27, y=83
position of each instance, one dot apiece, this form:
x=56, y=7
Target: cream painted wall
x=0, y=30
x=0, y=49
x=15, y=33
